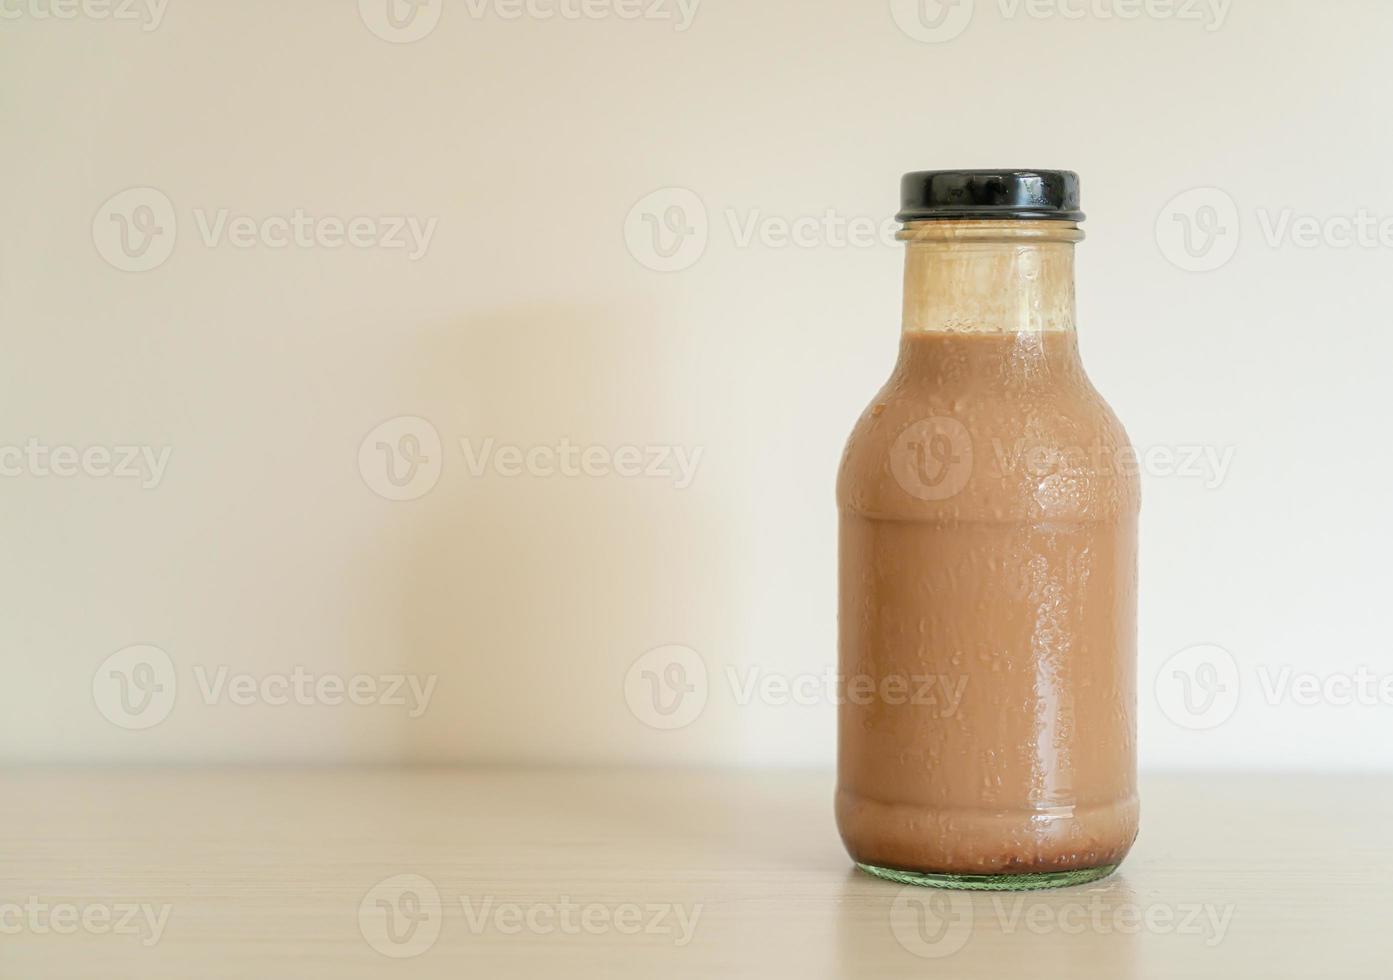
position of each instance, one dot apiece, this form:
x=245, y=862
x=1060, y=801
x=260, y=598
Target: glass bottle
x=988, y=502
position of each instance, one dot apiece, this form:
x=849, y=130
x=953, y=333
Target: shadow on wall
x=544, y=561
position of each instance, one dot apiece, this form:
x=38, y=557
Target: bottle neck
x=989, y=276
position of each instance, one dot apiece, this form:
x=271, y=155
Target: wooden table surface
x=545, y=873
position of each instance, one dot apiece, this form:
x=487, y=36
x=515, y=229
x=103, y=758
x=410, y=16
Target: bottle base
x=993, y=883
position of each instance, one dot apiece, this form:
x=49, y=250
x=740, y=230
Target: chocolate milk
x=988, y=505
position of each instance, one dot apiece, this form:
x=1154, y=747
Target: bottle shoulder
x=1043, y=452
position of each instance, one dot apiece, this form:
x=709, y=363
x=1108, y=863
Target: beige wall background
x=286, y=389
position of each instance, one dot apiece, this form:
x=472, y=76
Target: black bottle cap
x=943, y=195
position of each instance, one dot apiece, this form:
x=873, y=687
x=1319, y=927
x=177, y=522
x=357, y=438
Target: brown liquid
x=992, y=549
